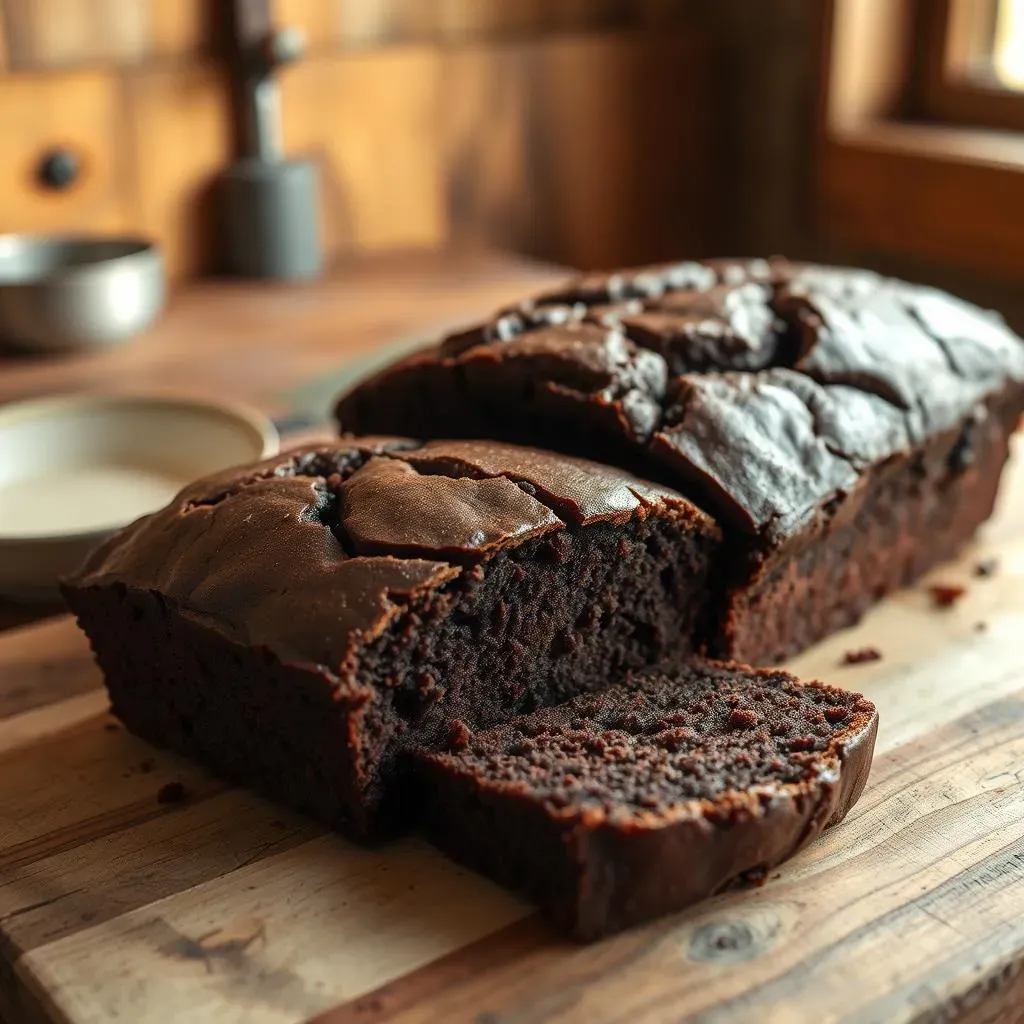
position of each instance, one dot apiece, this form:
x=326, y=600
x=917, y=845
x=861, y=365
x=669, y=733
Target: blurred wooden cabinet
x=69, y=33
x=77, y=114
x=574, y=130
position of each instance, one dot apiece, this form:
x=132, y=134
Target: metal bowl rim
x=138, y=250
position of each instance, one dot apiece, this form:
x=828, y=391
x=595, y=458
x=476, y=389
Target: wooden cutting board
x=114, y=906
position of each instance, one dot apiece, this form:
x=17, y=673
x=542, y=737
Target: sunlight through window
x=1009, y=53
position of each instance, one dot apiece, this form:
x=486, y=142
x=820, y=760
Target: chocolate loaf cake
x=620, y=806
x=846, y=430
x=300, y=625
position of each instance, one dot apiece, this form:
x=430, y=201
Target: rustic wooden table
x=224, y=907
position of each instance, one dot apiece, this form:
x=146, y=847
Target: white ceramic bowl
x=74, y=469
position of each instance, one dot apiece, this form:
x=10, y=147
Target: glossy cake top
x=764, y=388
x=317, y=550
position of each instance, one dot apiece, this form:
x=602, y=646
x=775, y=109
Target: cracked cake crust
x=821, y=415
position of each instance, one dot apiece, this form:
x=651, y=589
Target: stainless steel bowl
x=60, y=294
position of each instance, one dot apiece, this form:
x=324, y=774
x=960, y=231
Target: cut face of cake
x=620, y=806
x=300, y=624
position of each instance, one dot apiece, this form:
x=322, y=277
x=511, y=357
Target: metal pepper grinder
x=270, y=204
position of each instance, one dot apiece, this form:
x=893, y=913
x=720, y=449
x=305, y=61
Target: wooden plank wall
x=580, y=131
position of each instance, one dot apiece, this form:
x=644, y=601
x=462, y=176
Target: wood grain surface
x=224, y=907
x=62, y=33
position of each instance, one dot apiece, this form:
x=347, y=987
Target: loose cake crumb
x=459, y=735
x=742, y=718
x=987, y=567
x=755, y=878
x=147, y=765
x=171, y=793
x=799, y=743
x=980, y=627
x=112, y=727
x=946, y=595
x=859, y=655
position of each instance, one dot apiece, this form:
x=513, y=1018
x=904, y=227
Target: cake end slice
x=621, y=806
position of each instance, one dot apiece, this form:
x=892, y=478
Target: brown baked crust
x=777, y=396
x=266, y=550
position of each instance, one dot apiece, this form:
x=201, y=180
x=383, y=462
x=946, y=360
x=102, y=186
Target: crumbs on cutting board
x=945, y=595
x=860, y=655
x=171, y=793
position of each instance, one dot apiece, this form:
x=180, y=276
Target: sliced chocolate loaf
x=298, y=625
x=624, y=805
x=847, y=430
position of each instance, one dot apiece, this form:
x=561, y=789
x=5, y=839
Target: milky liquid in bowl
x=75, y=468
x=94, y=497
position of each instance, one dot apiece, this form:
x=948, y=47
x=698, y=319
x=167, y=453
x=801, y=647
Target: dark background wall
x=585, y=132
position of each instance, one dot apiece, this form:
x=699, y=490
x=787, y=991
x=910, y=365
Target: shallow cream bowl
x=75, y=468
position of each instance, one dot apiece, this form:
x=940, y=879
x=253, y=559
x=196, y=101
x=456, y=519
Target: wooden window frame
x=956, y=84
x=891, y=183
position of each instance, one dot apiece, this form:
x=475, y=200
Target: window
x=971, y=62
x=1008, y=49
x=922, y=136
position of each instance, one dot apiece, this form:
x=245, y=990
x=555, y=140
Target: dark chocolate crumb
x=459, y=735
x=987, y=567
x=112, y=727
x=799, y=743
x=147, y=765
x=946, y=595
x=859, y=655
x=171, y=793
x=742, y=718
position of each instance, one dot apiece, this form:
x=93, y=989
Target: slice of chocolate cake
x=847, y=430
x=299, y=624
x=627, y=804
